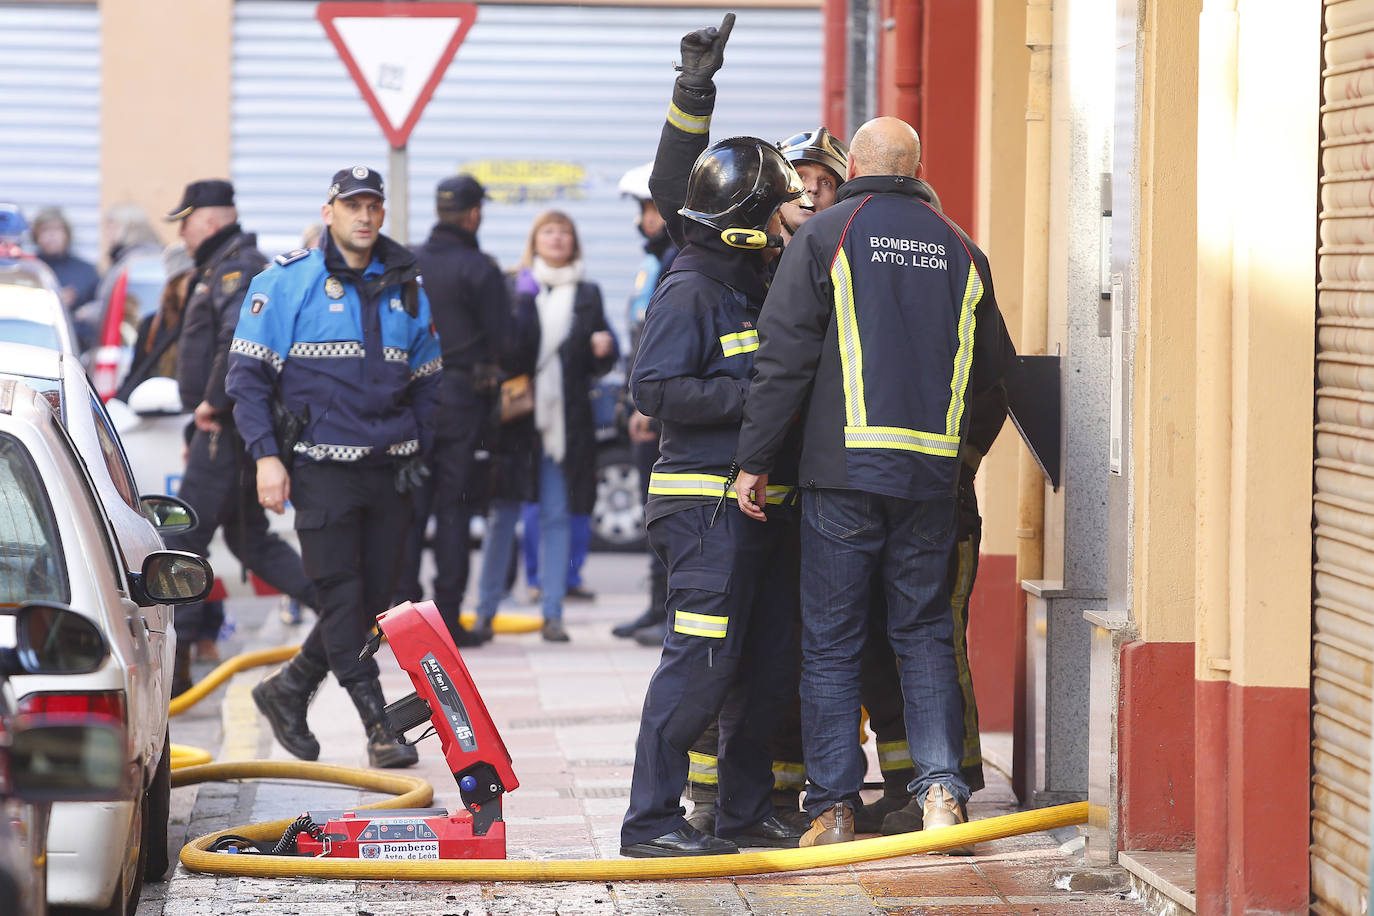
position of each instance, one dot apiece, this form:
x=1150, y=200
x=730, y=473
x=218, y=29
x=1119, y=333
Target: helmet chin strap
x=751, y=239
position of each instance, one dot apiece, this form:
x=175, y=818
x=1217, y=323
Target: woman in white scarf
x=574, y=346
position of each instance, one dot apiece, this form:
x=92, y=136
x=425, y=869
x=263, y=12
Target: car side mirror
x=168, y=514
x=51, y=759
x=173, y=577
x=53, y=639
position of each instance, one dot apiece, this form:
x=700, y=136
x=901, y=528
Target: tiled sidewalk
x=569, y=714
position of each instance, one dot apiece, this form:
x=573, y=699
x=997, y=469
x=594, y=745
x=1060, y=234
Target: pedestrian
x=917, y=334
x=470, y=304
x=218, y=483
x=155, y=348
x=574, y=346
x=52, y=233
x=650, y=627
x=335, y=369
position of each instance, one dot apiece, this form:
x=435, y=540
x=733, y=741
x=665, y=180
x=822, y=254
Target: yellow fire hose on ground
x=190, y=766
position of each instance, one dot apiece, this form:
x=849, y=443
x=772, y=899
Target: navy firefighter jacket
x=355, y=353
x=692, y=371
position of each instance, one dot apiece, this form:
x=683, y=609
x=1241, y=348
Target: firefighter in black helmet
x=730, y=617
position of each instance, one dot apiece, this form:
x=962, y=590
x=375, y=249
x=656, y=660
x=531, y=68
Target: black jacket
x=883, y=311
x=515, y=446
x=467, y=297
x=225, y=264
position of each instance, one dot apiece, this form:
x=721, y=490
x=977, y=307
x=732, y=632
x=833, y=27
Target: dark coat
x=515, y=447
x=226, y=263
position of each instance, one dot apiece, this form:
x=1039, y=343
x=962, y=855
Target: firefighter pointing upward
x=890, y=353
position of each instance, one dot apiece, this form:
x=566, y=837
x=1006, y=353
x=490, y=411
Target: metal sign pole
x=398, y=197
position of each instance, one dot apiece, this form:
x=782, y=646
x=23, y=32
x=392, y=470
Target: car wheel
x=618, y=516
x=159, y=814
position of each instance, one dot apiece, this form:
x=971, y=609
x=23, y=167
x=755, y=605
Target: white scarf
x=554, y=302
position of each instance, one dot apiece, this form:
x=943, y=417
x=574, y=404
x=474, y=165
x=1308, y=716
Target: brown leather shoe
x=835, y=825
x=942, y=809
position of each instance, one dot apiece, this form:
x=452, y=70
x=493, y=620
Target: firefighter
x=341, y=339
x=917, y=334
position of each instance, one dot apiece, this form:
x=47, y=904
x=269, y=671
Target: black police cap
x=212, y=192
x=461, y=192
x=351, y=182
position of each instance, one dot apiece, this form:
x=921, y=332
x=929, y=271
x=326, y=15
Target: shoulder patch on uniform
x=292, y=257
x=230, y=282
x=259, y=302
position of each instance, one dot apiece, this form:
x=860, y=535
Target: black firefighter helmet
x=819, y=146
x=739, y=182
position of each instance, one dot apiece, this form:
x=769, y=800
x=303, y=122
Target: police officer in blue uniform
x=882, y=325
x=471, y=308
x=219, y=480
x=341, y=339
x=730, y=590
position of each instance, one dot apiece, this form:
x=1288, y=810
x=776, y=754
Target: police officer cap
x=461, y=192
x=212, y=192
x=354, y=181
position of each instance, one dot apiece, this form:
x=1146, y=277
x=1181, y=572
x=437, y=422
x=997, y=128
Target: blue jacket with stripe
x=692, y=369
x=354, y=351
x=882, y=311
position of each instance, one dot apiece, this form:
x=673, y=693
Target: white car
x=95, y=850
x=31, y=310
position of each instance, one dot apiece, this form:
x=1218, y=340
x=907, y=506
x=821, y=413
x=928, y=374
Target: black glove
x=411, y=474
x=703, y=53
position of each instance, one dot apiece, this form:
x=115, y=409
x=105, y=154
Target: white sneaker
x=942, y=809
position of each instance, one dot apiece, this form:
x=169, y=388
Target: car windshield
x=31, y=563
x=50, y=388
x=29, y=316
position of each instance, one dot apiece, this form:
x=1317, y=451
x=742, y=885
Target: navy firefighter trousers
x=732, y=594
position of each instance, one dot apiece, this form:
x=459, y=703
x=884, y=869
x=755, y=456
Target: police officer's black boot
x=283, y=698
x=383, y=750
x=181, y=668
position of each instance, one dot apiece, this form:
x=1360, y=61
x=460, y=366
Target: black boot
x=284, y=697
x=869, y=818
x=383, y=750
x=657, y=611
x=181, y=668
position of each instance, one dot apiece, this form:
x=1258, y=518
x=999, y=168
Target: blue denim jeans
x=554, y=545
x=848, y=536
x=581, y=539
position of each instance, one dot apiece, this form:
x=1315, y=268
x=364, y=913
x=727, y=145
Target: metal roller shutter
x=581, y=85
x=50, y=115
x=1343, y=503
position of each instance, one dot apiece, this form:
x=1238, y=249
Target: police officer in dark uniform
x=219, y=482
x=341, y=339
x=882, y=320
x=471, y=308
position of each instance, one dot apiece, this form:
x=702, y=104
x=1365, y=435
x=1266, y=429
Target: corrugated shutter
x=586, y=85
x=1343, y=504
x=50, y=113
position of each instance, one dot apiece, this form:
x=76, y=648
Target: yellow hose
x=502, y=623
x=184, y=756
x=415, y=792
x=225, y=670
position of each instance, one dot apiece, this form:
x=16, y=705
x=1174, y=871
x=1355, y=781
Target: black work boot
x=283, y=698
x=181, y=668
x=657, y=611
x=869, y=818
x=383, y=750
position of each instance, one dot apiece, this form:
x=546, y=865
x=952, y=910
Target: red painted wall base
x=1253, y=780
x=1156, y=745
x=993, y=641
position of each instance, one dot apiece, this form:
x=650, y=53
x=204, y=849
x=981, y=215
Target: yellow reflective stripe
x=692, y=124
x=743, y=342
x=963, y=357
x=851, y=349
x=958, y=602
x=788, y=775
x=701, y=769
x=894, y=755
x=692, y=624
x=705, y=485
x=896, y=437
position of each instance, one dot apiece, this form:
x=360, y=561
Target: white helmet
x=635, y=182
